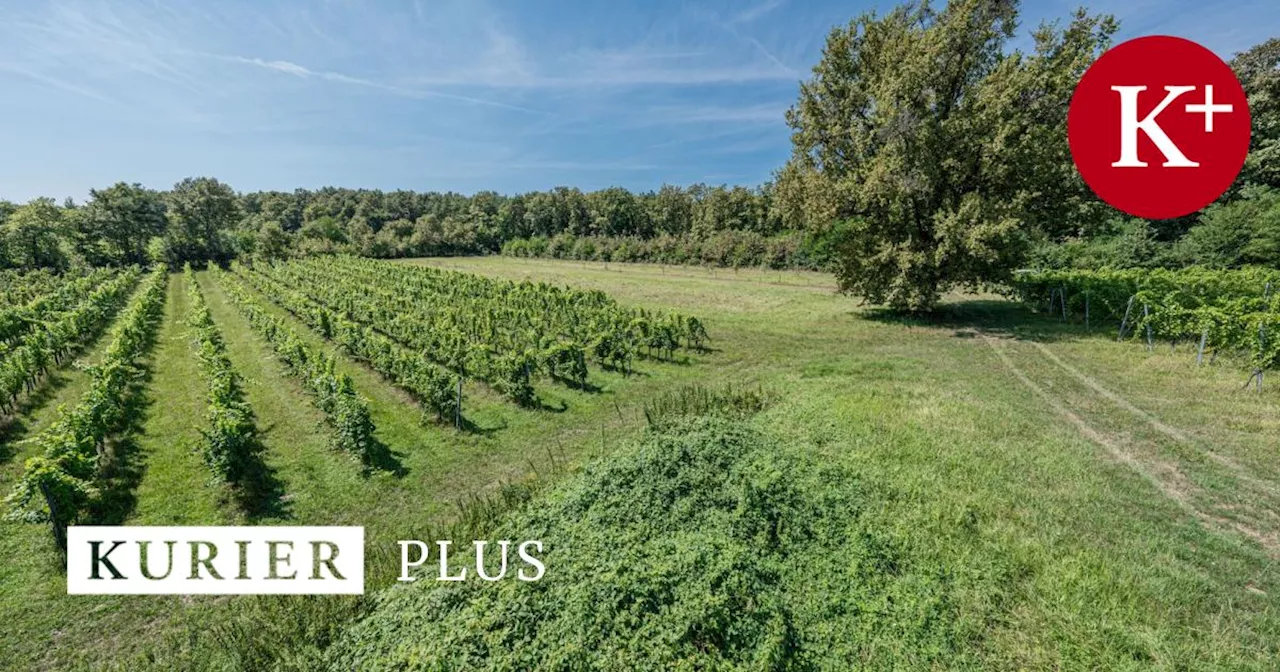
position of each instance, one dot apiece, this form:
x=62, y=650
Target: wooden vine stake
x=1146, y=317
x=55, y=518
x=1262, y=342
x=1125, y=322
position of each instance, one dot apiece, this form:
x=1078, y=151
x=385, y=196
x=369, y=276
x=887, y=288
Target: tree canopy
x=942, y=150
x=117, y=223
x=1259, y=72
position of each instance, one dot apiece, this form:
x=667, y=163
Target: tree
x=116, y=224
x=671, y=210
x=939, y=150
x=616, y=212
x=1244, y=231
x=200, y=210
x=6, y=209
x=33, y=235
x=1259, y=72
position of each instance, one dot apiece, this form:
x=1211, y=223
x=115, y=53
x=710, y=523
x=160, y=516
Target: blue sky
x=429, y=95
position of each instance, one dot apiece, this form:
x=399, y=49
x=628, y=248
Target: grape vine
x=347, y=413
x=1223, y=311
x=66, y=476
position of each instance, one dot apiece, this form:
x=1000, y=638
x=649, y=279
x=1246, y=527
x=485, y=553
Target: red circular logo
x=1158, y=127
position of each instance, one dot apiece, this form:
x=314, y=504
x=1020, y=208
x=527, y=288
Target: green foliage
x=699, y=400
x=939, y=149
x=429, y=384
x=117, y=223
x=33, y=235
x=65, y=478
x=346, y=412
x=231, y=445
x=1241, y=232
x=201, y=211
x=1259, y=72
x=1125, y=243
x=502, y=333
x=39, y=335
x=730, y=249
x=707, y=546
x=271, y=241
x=1236, y=311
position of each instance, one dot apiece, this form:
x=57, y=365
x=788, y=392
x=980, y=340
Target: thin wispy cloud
x=753, y=13
x=296, y=70
x=438, y=94
x=764, y=114
x=55, y=82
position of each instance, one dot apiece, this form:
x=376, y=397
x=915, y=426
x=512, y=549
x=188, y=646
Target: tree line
x=203, y=219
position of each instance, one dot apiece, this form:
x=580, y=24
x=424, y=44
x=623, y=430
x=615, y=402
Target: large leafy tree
x=117, y=223
x=1259, y=72
x=617, y=212
x=200, y=211
x=33, y=235
x=940, y=151
x=671, y=210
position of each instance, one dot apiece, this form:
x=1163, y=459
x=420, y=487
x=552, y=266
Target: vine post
x=55, y=518
x=1125, y=322
x=1146, y=318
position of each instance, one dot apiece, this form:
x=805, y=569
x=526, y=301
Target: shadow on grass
x=972, y=317
x=16, y=426
x=122, y=470
x=380, y=458
x=471, y=427
x=581, y=386
x=260, y=493
x=673, y=358
x=625, y=372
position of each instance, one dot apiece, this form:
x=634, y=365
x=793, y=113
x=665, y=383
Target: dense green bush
x=710, y=546
x=729, y=249
x=1243, y=232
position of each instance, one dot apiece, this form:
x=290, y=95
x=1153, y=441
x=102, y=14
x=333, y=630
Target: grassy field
x=1099, y=506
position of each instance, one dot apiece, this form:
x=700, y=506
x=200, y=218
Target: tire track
x=1165, y=477
x=1174, y=433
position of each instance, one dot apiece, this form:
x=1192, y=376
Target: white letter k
x=1129, y=127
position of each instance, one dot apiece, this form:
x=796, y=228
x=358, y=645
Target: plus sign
x=1208, y=109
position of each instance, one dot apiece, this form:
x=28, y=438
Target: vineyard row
x=67, y=477
x=1230, y=312
x=347, y=413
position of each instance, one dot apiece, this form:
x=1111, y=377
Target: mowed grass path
x=1107, y=570
x=176, y=487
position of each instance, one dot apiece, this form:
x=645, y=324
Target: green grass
x=176, y=488
x=1120, y=545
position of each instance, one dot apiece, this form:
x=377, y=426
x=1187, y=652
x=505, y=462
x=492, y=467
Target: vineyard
x=1220, y=312
x=427, y=330
x=424, y=331
x=67, y=478
x=818, y=484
